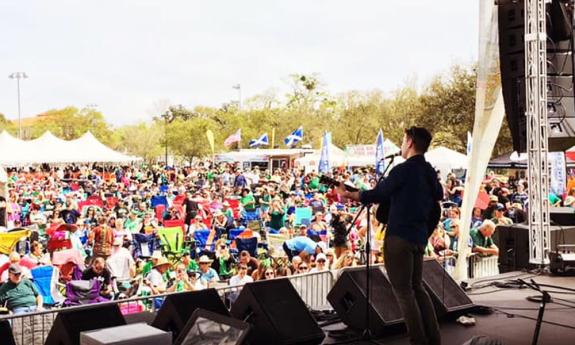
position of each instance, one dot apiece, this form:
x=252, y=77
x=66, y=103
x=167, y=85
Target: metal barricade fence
x=33, y=328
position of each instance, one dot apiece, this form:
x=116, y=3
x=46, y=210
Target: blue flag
x=379, y=154
x=295, y=137
x=261, y=141
x=324, y=158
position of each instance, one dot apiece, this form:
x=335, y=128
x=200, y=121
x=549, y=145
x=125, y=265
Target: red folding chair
x=235, y=206
x=160, y=209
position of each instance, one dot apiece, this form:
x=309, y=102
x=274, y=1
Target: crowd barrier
x=33, y=328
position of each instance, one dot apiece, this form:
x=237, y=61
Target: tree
x=142, y=140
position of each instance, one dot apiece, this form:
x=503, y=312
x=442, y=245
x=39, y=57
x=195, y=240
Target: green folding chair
x=172, y=242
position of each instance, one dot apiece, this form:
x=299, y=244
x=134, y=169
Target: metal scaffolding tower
x=537, y=136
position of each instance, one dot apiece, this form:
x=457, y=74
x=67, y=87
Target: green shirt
x=479, y=240
x=248, y=202
x=314, y=183
x=193, y=266
x=18, y=295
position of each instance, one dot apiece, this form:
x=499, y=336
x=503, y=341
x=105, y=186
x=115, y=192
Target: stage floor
x=511, y=330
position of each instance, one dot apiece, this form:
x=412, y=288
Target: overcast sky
x=125, y=56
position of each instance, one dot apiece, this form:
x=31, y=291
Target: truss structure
x=537, y=135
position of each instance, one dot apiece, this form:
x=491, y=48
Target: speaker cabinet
x=348, y=298
x=178, y=308
x=70, y=323
x=560, y=90
x=6, y=333
x=277, y=314
x=446, y=295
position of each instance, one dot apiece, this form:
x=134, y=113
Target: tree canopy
x=445, y=106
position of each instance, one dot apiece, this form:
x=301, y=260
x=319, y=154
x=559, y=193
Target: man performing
x=411, y=189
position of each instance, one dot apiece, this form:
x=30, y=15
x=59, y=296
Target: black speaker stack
x=274, y=310
x=560, y=76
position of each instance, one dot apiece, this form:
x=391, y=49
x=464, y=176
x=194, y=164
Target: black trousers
x=404, y=266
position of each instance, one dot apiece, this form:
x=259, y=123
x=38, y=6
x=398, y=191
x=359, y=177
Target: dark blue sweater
x=410, y=188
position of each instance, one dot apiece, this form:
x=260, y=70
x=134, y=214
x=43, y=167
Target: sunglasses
x=320, y=260
x=269, y=274
x=303, y=267
x=243, y=268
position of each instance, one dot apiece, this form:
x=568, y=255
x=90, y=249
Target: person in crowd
x=499, y=216
x=320, y=263
x=121, y=264
x=331, y=258
x=102, y=238
x=476, y=217
x=37, y=254
x=248, y=260
x=224, y=260
x=14, y=259
x=276, y=214
x=570, y=199
x=99, y=272
x=207, y=274
x=346, y=259
x=181, y=281
x=482, y=239
x=302, y=245
x=19, y=294
x=241, y=277
x=157, y=280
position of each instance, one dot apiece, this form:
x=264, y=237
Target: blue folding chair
x=46, y=280
x=235, y=233
x=201, y=239
x=249, y=244
x=159, y=200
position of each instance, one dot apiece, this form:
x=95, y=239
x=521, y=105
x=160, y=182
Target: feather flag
x=295, y=137
x=261, y=141
x=324, y=158
x=379, y=154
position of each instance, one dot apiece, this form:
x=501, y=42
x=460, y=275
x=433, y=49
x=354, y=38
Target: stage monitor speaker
x=6, y=333
x=513, y=244
x=178, y=308
x=446, y=294
x=348, y=298
x=562, y=215
x=560, y=78
x=277, y=314
x=70, y=323
x=206, y=327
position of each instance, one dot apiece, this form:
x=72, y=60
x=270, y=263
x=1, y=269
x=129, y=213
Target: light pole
x=239, y=88
x=166, y=116
x=18, y=76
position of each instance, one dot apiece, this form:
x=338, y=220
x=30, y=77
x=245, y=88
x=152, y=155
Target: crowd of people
x=112, y=220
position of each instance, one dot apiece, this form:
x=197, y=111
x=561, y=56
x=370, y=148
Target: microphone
x=391, y=156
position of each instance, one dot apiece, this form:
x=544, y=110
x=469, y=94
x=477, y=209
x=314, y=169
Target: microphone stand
x=367, y=336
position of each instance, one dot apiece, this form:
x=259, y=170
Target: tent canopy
x=446, y=159
x=50, y=149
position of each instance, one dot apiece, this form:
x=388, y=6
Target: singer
x=411, y=189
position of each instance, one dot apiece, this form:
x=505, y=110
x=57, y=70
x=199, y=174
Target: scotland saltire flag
x=469, y=141
x=295, y=137
x=261, y=141
x=324, y=158
x=379, y=154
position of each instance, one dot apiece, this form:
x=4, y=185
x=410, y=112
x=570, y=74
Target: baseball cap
x=499, y=207
x=15, y=269
x=493, y=198
x=320, y=256
x=322, y=246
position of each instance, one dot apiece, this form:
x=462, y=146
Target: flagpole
x=273, y=137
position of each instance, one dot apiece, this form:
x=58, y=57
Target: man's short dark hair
x=421, y=138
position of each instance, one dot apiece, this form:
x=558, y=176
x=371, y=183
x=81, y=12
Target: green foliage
x=445, y=106
x=142, y=140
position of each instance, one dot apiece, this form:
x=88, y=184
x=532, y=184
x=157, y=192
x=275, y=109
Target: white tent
x=50, y=149
x=446, y=159
x=311, y=161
